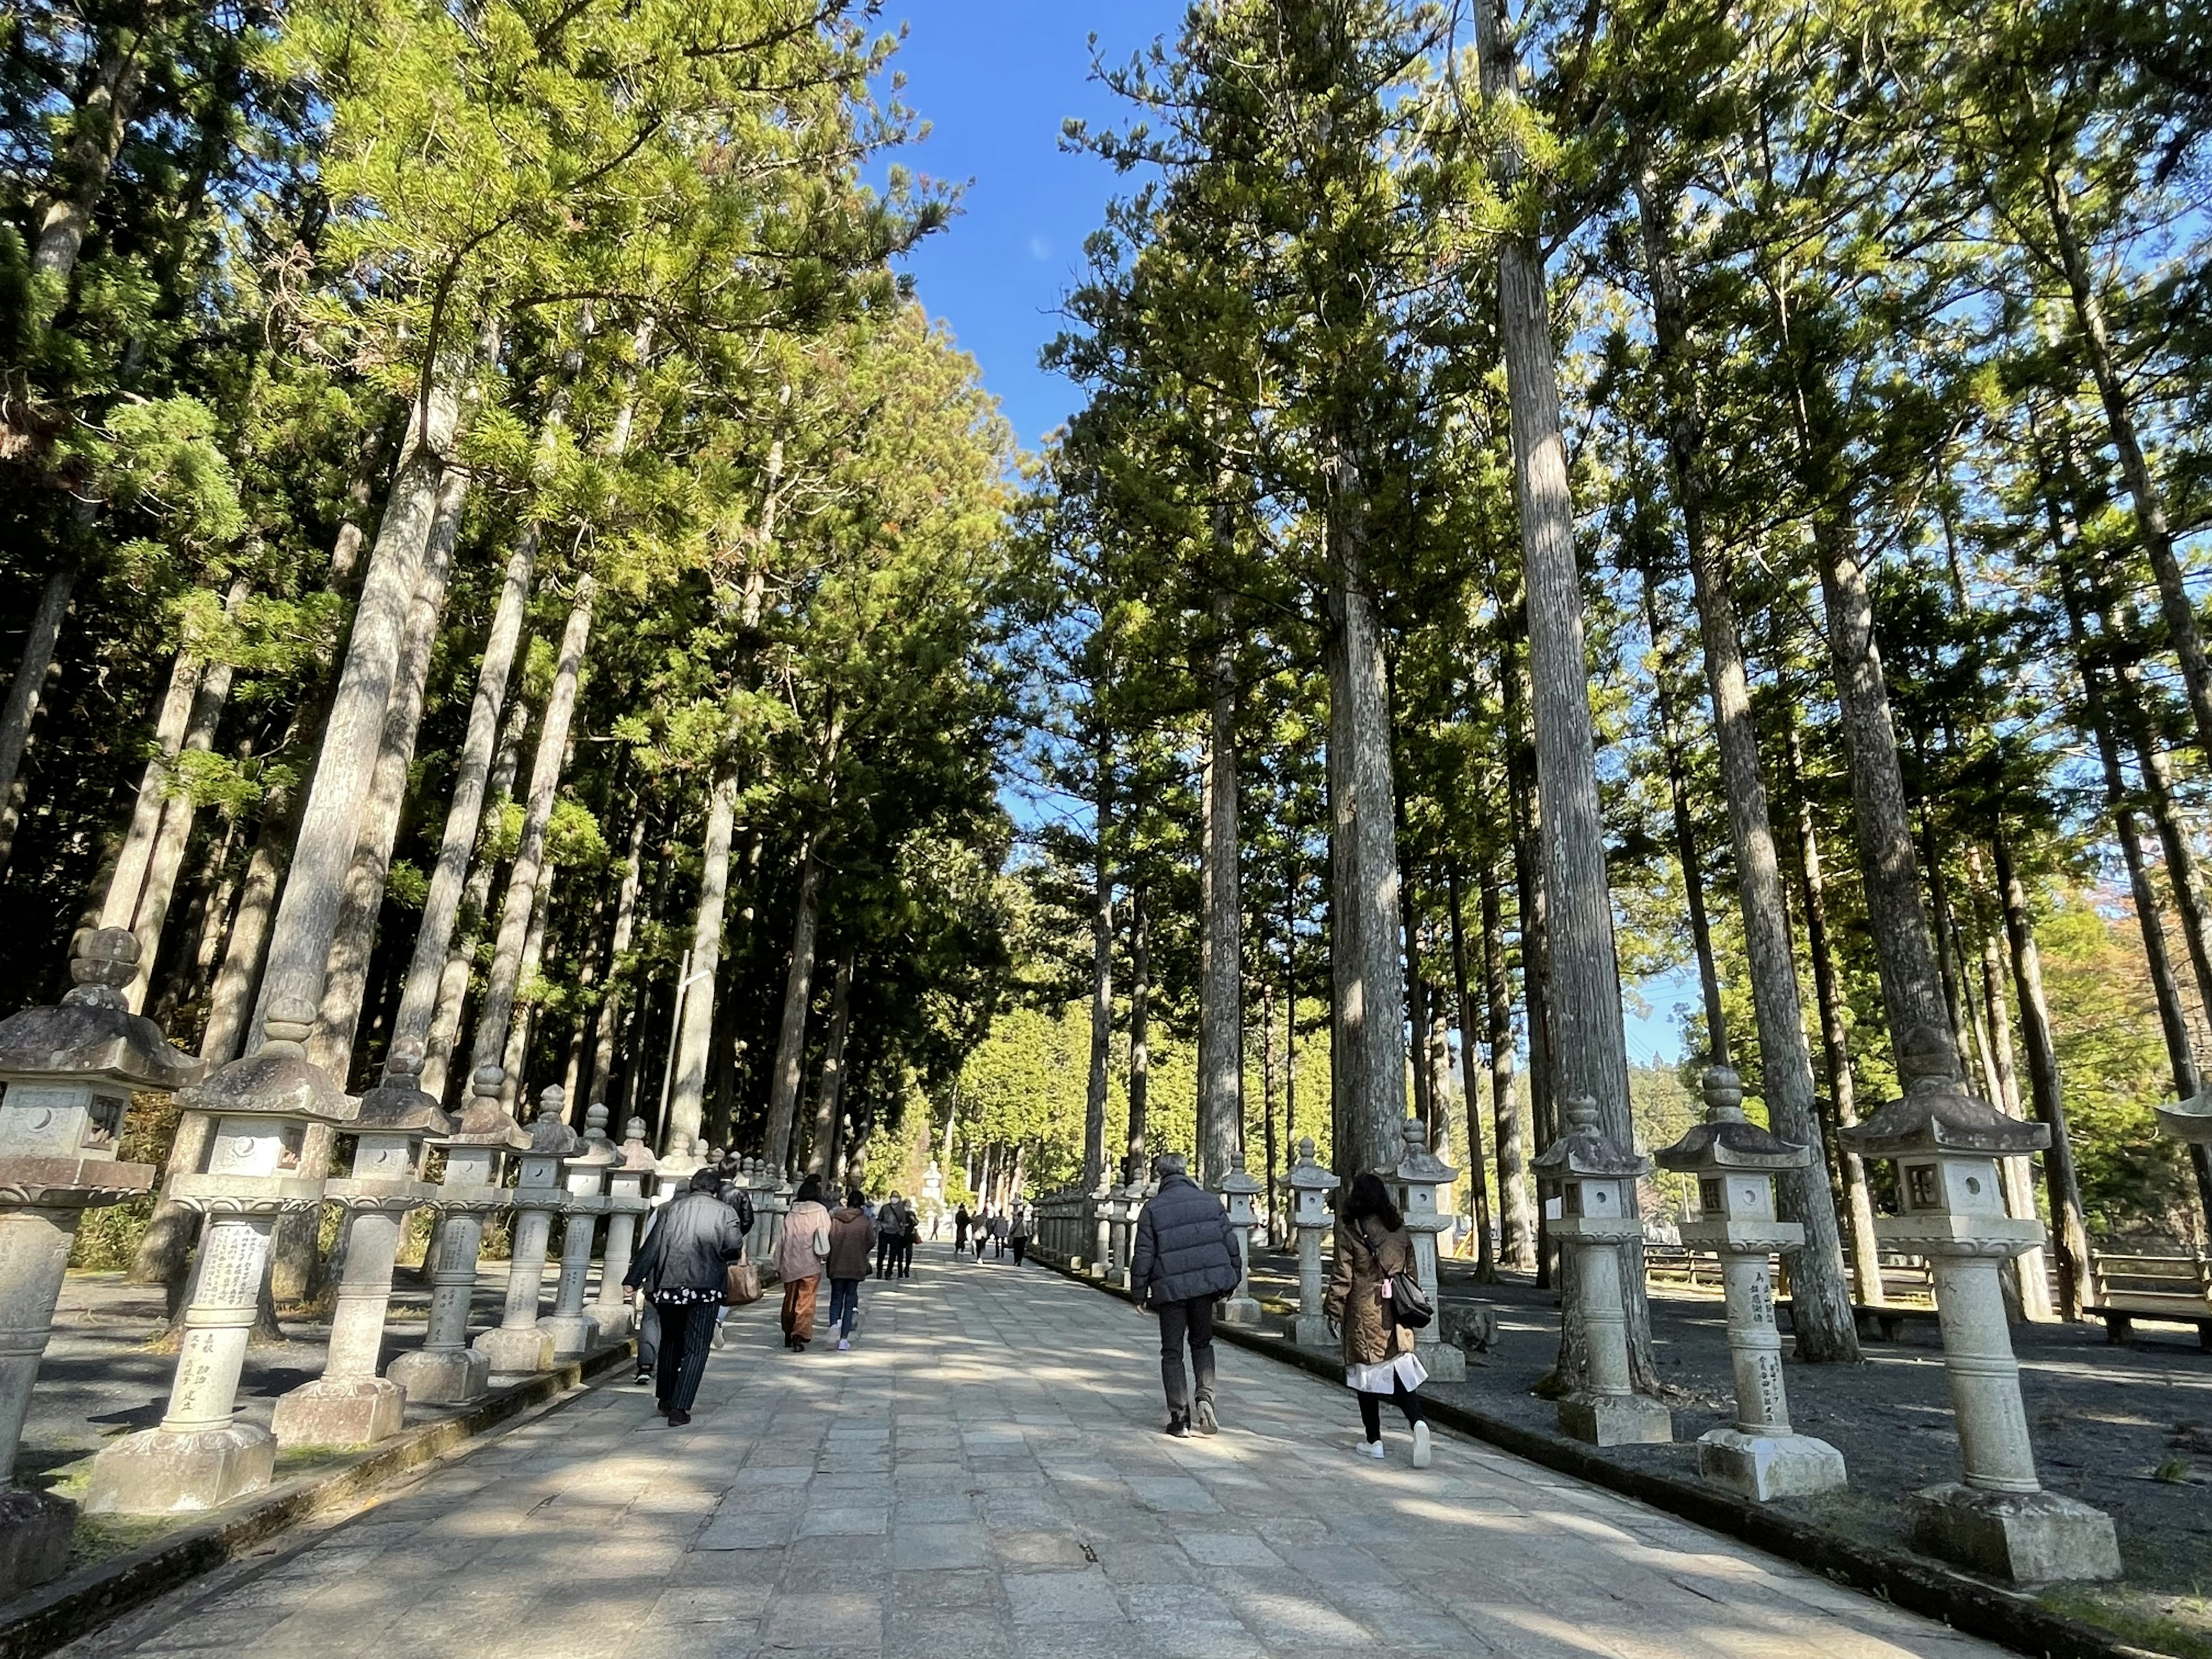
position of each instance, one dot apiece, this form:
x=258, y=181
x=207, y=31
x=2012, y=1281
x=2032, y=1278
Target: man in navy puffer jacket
x=1185, y=1259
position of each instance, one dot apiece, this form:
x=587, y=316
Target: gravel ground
x=2127, y=1428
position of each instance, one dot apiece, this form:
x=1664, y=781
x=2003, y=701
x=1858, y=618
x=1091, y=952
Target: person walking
x=1001, y=1228
x=851, y=1238
x=909, y=1238
x=1184, y=1262
x=1018, y=1235
x=733, y=1192
x=682, y=1269
x=800, y=1253
x=892, y=1226
x=961, y=1220
x=1379, y=1360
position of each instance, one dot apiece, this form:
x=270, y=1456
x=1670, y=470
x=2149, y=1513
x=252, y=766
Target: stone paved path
x=982, y=1478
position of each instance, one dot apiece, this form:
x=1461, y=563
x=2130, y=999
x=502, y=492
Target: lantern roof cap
x=1238, y=1180
x=399, y=1105
x=1584, y=1151
x=596, y=1150
x=550, y=1132
x=1726, y=1139
x=1307, y=1174
x=2188, y=1120
x=1417, y=1163
x=1935, y=1113
x=278, y=1080
x=486, y=1122
x=93, y=1033
x=637, y=1157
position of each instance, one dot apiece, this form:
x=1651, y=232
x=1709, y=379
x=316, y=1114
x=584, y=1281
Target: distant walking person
x=909, y=1237
x=800, y=1253
x=1185, y=1260
x=1379, y=1361
x=893, y=1225
x=1018, y=1235
x=961, y=1220
x=1001, y=1231
x=851, y=1238
x=681, y=1269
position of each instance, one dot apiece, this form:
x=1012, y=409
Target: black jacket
x=1185, y=1246
x=692, y=1238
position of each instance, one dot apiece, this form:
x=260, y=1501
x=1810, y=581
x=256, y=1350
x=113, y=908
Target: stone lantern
x=445, y=1371
x=1237, y=1190
x=69, y=1073
x=199, y=1457
x=1735, y=1161
x=1123, y=1204
x=2188, y=1121
x=516, y=1348
x=774, y=1204
x=626, y=1202
x=1597, y=1215
x=572, y=1330
x=1947, y=1144
x=1105, y=1208
x=350, y=1405
x=1424, y=1182
x=1310, y=1185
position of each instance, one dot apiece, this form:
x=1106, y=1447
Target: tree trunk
x=496, y=1013
x=27, y=688
x=832, y=1086
x=791, y=1033
x=1858, y=1199
x=442, y=904
x=1535, y=972
x=308, y=914
x=1516, y=1231
x=1221, y=943
x=1269, y=1215
x=346, y=974
x=1140, y=1052
x=687, y=1113
x=2070, y=1233
x=96, y=133
x=1686, y=839
x=1368, y=993
x=476, y=900
x=127, y=881
x=603, y=1057
x=1485, y=1261
x=1101, y=978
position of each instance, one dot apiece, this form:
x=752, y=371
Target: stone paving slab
x=983, y=1477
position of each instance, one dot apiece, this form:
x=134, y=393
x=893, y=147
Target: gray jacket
x=1186, y=1248
x=693, y=1237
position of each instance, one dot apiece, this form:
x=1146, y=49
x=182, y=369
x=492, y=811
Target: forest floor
x=2126, y=1429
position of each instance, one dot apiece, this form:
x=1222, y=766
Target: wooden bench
x=2176, y=1289
x=1886, y=1320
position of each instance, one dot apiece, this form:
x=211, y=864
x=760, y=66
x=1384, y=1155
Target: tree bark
x=695, y=1042
x=128, y=878
x=27, y=688
x=476, y=900
x=791, y=1033
x=1140, y=1051
x=1485, y=1261
x=1102, y=976
x=1221, y=946
x=497, y=1013
x=1535, y=974
x=1516, y=1231
x=1686, y=839
x=1858, y=1199
x=96, y=135
x=832, y=1085
x=1368, y=993
x=603, y=1057
x=2069, y=1234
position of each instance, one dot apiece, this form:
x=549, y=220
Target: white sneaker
x=1421, y=1445
x=844, y=1344
x=1375, y=1450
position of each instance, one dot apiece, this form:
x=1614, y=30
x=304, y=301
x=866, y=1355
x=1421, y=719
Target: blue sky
x=994, y=79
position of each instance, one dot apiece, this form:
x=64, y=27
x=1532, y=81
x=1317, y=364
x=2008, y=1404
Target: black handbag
x=1409, y=1304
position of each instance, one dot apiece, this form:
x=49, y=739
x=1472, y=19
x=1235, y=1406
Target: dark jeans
x=844, y=1305
x=1191, y=1320
x=687, y=1331
x=1021, y=1248
x=887, y=1254
x=1370, y=1408
x=906, y=1256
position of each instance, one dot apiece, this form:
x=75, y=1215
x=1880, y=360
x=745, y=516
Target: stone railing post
x=1102, y=1206
x=1593, y=1176
x=445, y=1371
x=1424, y=1183
x=1129, y=1203
x=1237, y=1189
x=1310, y=1185
x=516, y=1348
x=200, y=1457
x=574, y=1331
x=68, y=1074
x=1735, y=1161
x=1947, y=1144
x=626, y=1202
x=350, y=1405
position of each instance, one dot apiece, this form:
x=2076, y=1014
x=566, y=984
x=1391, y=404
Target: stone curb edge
x=1968, y=1605
x=82, y=1601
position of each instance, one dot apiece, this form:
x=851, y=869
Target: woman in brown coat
x=1379, y=1361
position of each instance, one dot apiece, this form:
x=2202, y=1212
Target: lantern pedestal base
x=35, y=1527
x=1767, y=1466
x=155, y=1472
x=448, y=1377
x=614, y=1322
x=1447, y=1364
x=1312, y=1331
x=1615, y=1420
x=515, y=1353
x=1239, y=1311
x=2031, y=1538
x=357, y=1411
x=572, y=1334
